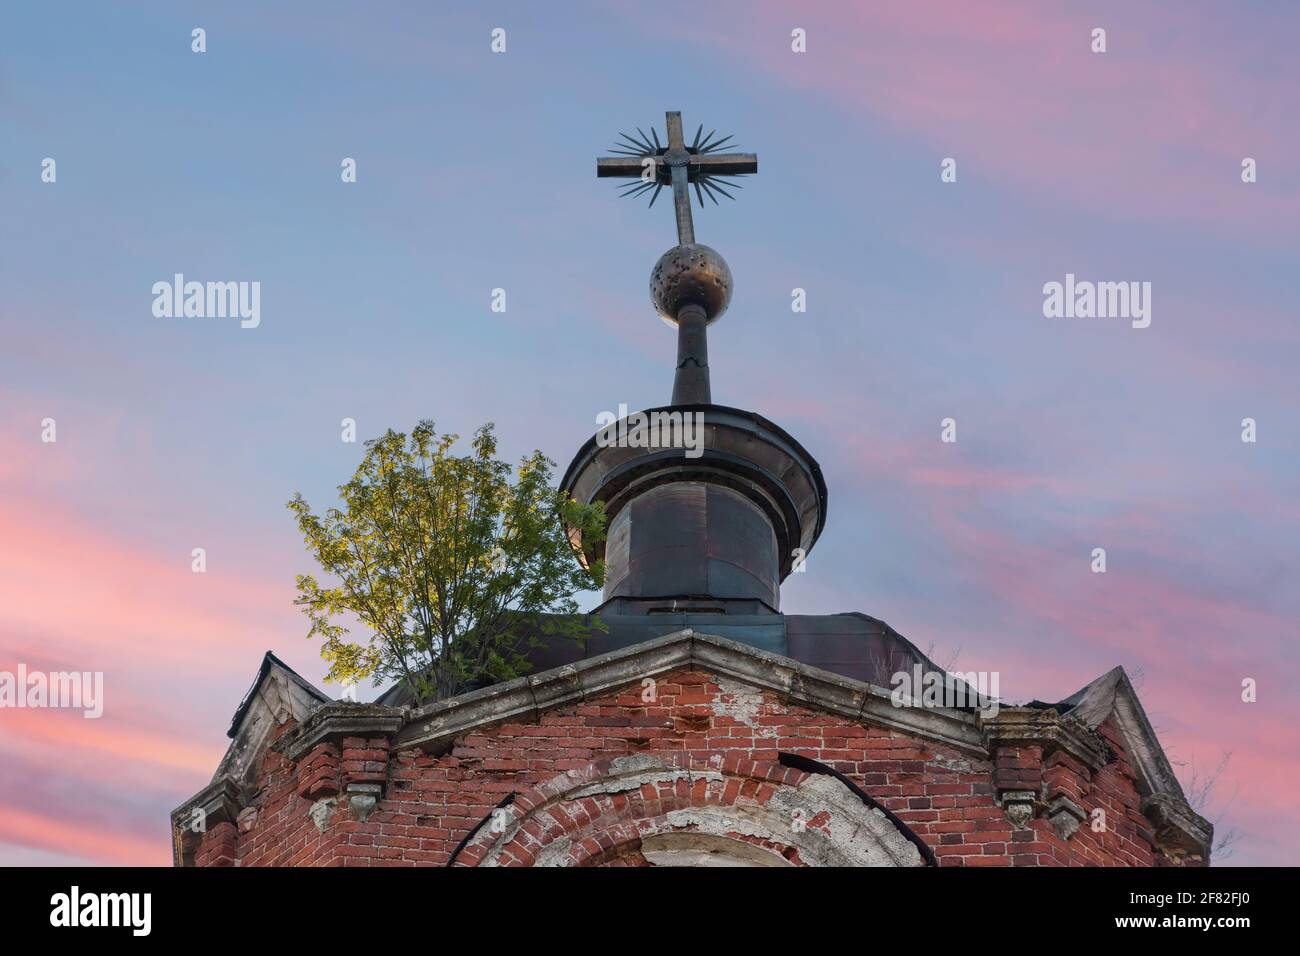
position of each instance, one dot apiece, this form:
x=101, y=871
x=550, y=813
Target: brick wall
x=431, y=803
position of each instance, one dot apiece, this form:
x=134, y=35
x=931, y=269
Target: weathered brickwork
x=591, y=782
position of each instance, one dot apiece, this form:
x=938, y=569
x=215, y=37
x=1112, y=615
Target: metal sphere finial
x=691, y=274
x=691, y=284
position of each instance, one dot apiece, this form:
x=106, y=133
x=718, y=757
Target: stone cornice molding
x=331, y=721
x=434, y=726
x=1030, y=726
x=218, y=802
x=1181, y=832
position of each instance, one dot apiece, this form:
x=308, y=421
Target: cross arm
x=714, y=164
x=625, y=166
x=724, y=164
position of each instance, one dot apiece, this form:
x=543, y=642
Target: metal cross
x=679, y=166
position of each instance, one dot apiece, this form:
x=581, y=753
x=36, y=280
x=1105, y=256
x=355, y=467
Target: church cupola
x=709, y=507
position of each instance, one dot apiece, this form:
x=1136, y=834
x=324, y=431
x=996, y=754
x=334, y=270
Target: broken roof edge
x=399, y=693
x=1112, y=695
x=269, y=660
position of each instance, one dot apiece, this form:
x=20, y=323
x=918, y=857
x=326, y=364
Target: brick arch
x=677, y=809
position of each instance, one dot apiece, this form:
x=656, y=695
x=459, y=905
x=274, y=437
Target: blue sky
x=476, y=171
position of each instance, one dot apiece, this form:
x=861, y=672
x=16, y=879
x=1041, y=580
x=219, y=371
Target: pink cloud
x=81, y=839
x=1193, y=646
x=1016, y=95
x=77, y=595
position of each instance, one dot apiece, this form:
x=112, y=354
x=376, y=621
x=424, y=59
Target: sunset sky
x=476, y=171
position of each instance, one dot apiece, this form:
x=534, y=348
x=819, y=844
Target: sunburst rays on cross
x=705, y=181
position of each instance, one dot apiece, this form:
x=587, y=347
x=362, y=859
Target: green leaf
x=452, y=569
